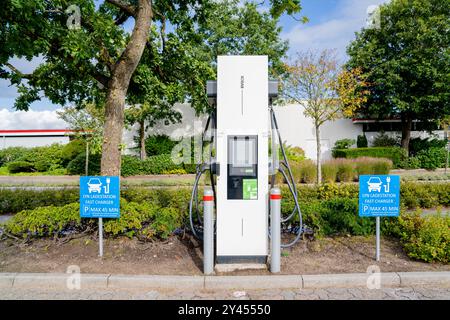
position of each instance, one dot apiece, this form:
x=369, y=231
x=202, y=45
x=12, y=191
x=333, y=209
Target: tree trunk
x=143, y=153
x=319, y=152
x=117, y=89
x=406, y=131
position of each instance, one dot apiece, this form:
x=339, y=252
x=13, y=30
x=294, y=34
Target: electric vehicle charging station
x=242, y=144
x=241, y=122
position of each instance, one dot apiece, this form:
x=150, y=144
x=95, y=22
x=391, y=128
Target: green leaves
x=406, y=60
x=285, y=6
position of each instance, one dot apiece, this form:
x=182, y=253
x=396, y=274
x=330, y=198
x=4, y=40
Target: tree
x=88, y=123
x=146, y=116
x=325, y=92
x=88, y=55
x=161, y=81
x=407, y=62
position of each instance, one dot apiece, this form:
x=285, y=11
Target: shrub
x=425, y=195
x=432, y=158
x=346, y=170
x=71, y=150
x=332, y=190
x=296, y=169
x=40, y=158
x=329, y=171
x=144, y=220
x=364, y=167
x=411, y=163
x=20, y=166
x=11, y=154
x=42, y=166
x=152, y=165
x=340, y=216
x=397, y=155
x=384, y=140
x=327, y=209
x=78, y=165
x=189, y=167
x=130, y=166
x=295, y=154
x=361, y=141
x=177, y=198
x=425, y=238
x=382, y=166
x=13, y=201
x=159, y=144
x=308, y=171
x=140, y=219
x=158, y=164
x=174, y=171
x=44, y=221
x=51, y=154
x=367, y=165
x=418, y=144
x=344, y=143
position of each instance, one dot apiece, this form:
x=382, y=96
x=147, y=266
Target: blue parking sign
x=379, y=196
x=100, y=197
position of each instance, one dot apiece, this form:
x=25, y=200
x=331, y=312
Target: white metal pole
x=275, y=230
x=100, y=236
x=208, y=231
x=378, y=238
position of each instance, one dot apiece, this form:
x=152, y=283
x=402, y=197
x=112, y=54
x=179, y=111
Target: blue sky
x=332, y=24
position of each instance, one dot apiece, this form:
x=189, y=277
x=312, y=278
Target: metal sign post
x=379, y=196
x=377, y=257
x=99, y=198
x=100, y=237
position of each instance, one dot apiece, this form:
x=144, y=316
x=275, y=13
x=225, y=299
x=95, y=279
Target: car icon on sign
x=94, y=185
x=374, y=184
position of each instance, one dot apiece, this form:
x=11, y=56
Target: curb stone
x=351, y=280
x=254, y=282
x=441, y=279
x=58, y=280
x=156, y=281
x=7, y=280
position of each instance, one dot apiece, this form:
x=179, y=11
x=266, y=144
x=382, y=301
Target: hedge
x=328, y=210
x=424, y=238
x=396, y=154
x=77, y=166
x=20, y=166
x=137, y=219
x=413, y=195
x=41, y=159
x=159, y=164
x=15, y=200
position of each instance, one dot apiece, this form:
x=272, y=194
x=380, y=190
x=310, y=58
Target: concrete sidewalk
x=112, y=281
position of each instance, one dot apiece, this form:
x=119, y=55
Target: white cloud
x=15, y=120
x=335, y=32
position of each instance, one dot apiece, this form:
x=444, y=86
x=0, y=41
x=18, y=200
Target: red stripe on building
x=38, y=131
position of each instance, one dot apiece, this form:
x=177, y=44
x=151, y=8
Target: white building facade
x=295, y=128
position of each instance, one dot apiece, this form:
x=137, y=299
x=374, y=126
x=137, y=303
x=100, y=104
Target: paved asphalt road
x=417, y=293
